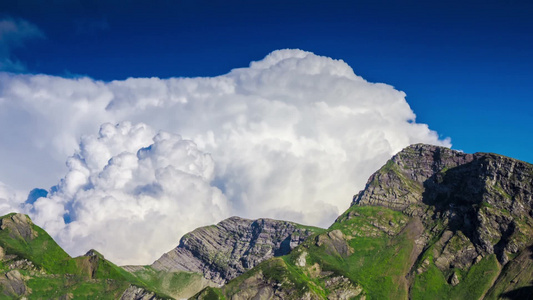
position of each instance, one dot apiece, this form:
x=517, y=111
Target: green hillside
x=34, y=266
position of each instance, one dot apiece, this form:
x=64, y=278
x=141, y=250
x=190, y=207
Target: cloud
x=13, y=34
x=292, y=136
x=131, y=193
x=10, y=200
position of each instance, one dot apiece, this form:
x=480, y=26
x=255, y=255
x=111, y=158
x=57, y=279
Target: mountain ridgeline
x=432, y=223
x=224, y=251
x=33, y=265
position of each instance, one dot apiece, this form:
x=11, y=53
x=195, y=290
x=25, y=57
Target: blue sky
x=292, y=136
x=466, y=66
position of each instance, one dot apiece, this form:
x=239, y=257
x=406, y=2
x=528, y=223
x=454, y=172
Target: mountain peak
x=226, y=250
x=19, y=226
x=431, y=223
x=483, y=195
x=412, y=175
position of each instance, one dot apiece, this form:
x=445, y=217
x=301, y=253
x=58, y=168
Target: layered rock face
x=483, y=201
x=233, y=246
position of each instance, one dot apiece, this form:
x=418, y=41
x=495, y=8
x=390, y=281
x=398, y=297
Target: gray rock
x=231, y=247
x=341, y=288
x=12, y=284
x=484, y=196
x=21, y=264
x=137, y=293
x=19, y=226
x=454, y=280
x=335, y=243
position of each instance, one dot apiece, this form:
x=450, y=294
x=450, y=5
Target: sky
x=133, y=116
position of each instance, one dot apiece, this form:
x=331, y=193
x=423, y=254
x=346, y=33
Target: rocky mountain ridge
x=226, y=250
x=432, y=223
x=488, y=197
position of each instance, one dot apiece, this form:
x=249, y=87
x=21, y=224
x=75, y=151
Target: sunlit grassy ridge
x=48, y=272
x=381, y=261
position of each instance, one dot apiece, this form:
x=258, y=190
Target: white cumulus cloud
x=131, y=194
x=10, y=200
x=292, y=136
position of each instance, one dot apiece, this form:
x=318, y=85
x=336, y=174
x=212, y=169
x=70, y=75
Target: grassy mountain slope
x=211, y=255
x=176, y=284
x=432, y=223
x=34, y=266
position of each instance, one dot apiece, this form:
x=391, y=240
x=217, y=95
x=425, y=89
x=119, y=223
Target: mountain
x=226, y=250
x=432, y=223
x=32, y=265
x=212, y=255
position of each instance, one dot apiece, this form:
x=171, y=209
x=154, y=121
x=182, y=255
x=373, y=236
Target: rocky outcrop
x=260, y=287
x=19, y=226
x=137, y=293
x=12, y=284
x=270, y=280
x=233, y=246
x=484, y=200
x=89, y=263
x=335, y=242
x=341, y=288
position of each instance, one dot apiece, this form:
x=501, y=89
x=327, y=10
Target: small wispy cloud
x=14, y=33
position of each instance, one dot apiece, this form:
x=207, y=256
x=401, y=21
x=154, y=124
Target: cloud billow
x=293, y=136
x=128, y=191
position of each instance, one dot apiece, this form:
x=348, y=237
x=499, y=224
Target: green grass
x=57, y=274
x=53, y=287
x=500, y=191
x=43, y=251
x=171, y=283
x=210, y=293
x=274, y=270
x=477, y=280
x=312, y=229
x=379, y=262
x=432, y=284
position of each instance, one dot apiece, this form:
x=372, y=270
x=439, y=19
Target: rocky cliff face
x=233, y=246
x=486, y=198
